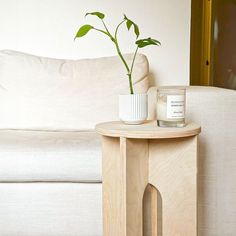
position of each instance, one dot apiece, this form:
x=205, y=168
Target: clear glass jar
x=171, y=107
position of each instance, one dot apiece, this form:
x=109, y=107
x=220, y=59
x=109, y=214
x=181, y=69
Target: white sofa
x=50, y=157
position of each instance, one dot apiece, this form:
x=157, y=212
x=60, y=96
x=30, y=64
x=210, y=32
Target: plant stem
x=118, y=48
x=115, y=41
x=102, y=31
x=118, y=26
x=132, y=66
x=121, y=57
x=129, y=73
x=130, y=84
x=106, y=28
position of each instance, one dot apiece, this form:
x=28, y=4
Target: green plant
x=140, y=43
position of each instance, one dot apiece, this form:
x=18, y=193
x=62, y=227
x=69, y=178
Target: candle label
x=175, y=106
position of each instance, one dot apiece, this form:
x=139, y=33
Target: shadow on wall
x=152, y=79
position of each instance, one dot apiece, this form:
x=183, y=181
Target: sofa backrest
x=52, y=94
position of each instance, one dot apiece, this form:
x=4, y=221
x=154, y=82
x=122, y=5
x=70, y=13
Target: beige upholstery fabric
x=215, y=110
x=37, y=168
x=52, y=94
x=50, y=209
x=49, y=156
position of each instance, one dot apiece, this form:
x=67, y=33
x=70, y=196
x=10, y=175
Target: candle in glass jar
x=171, y=107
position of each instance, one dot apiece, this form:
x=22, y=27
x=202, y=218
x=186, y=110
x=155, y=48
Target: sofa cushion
x=49, y=156
x=50, y=209
x=52, y=94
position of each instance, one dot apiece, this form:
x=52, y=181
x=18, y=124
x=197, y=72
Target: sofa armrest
x=204, y=98
x=215, y=110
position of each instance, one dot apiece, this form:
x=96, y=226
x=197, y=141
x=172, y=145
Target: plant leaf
x=130, y=23
x=146, y=42
x=83, y=30
x=156, y=41
x=98, y=14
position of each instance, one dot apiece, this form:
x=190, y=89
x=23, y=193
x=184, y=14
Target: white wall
x=47, y=28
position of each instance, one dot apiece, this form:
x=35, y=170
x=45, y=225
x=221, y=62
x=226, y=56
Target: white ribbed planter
x=133, y=108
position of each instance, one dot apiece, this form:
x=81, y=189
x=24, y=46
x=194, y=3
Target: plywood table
x=135, y=156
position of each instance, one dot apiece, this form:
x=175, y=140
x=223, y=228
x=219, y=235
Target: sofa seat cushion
x=27, y=156
x=51, y=209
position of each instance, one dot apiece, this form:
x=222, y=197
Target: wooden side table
x=138, y=155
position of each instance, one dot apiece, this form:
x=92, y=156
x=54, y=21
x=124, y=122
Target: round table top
x=148, y=130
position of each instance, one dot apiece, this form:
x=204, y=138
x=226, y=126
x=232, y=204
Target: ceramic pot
x=133, y=108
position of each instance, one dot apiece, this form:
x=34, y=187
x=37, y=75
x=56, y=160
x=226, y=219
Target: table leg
x=154, y=209
x=125, y=177
x=173, y=171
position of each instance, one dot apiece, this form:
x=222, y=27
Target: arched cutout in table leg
x=152, y=211
x=156, y=212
